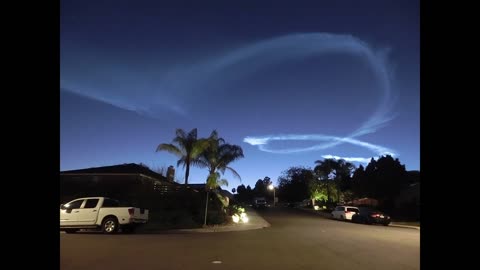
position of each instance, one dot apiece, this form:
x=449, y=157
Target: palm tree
x=216, y=158
x=188, y=148
x=218, y=155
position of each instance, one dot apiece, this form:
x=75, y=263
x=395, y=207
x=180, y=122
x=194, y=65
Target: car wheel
x=110, y=225
x=342, y=218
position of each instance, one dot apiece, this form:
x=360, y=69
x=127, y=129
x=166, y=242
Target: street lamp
x=271, y=187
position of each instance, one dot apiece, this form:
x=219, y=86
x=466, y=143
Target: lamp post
x=271, y=187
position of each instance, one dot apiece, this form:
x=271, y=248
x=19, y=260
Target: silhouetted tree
x=294, y=183
x=267, y=181
x=325, y=170
x=241, y=189
x=413, y=177
x=259, y=188
x=383, y=179
x=343, y=176
x=335, y=171
x=358, y=185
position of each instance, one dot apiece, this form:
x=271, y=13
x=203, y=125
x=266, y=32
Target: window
x=74, y=205
x=339, y=208
x=110, y=203
x=91, y=203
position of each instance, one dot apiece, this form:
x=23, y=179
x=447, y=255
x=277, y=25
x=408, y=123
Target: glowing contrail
x=316, y=43
x=175, y=87
x=262, y=143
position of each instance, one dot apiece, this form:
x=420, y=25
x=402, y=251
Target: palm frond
x=235, y=173
x=169, y=148
x=182, y=161
x=222, y=182
x=214, y=135
x=180, y=133
x=199, y=163
x=199, y=148
x=192, y=135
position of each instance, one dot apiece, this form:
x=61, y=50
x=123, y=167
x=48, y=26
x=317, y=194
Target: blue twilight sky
x=290, y=82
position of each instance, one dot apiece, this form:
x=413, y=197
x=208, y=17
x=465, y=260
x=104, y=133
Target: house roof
x=130, y=168
x=197, y=186
x=201, y=187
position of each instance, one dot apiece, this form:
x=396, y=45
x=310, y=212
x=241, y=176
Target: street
x=295, y=240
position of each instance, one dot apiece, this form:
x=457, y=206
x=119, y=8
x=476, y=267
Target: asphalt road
x=296, y=240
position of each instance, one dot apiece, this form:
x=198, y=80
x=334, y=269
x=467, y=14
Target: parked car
x=100, y=213
x=344, y=212
x=371, y=216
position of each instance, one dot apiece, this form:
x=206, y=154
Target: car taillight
x=131, y=211
x=375, y=215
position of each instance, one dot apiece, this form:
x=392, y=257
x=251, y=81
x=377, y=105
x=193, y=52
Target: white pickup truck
x=100, y=213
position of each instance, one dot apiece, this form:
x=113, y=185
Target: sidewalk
x=255, y=222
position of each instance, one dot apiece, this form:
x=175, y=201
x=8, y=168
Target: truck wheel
x=110, y=225
x=71, y=230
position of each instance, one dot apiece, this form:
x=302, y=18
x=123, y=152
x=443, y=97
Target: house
x=197, y=187
x=125, y=181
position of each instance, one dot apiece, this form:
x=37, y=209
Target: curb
x=228, y=228
x=234, y=227
x=404, y=226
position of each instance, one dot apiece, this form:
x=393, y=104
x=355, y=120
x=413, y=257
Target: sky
x=291, y=82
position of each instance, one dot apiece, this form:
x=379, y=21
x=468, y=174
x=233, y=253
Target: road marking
x=217, y=262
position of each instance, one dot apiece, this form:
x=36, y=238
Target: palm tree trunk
x=187, y=173
x=206, y=209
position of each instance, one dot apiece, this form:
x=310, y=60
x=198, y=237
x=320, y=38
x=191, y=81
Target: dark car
x=370, y=216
